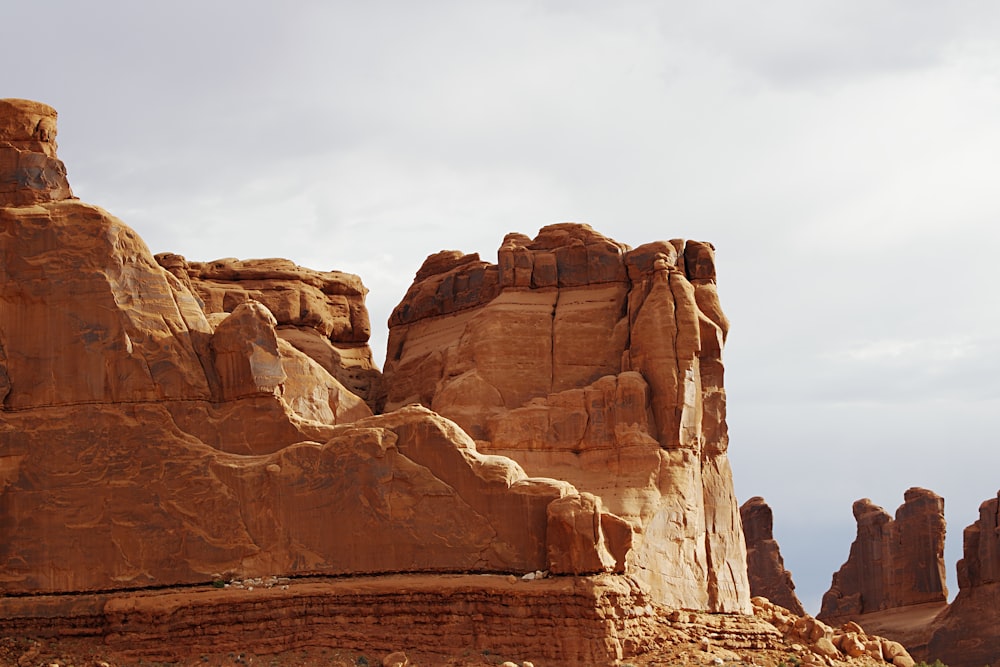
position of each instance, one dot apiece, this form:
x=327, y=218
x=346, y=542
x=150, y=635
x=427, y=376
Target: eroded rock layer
x=588, y=361
x=441, y=619
x=893, y=562
x=564, y=621
x=765, y=566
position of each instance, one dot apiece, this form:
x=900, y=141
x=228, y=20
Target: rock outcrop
x=30, y=172
x=967, y=634
x=151, y=435
x=765, y=566
x=320, y=313
x=821, y=644
x=442, y=619
x=587, y=361
x=892, y=563
x=190, y=459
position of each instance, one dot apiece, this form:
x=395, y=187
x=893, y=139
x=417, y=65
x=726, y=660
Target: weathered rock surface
x=765, y=566
x=320, y=313
x=892, y=563
x=967, y=634
x=590, y=362
x=30, y=172
x=821, y=644
x=456, y=620
x=145, y=442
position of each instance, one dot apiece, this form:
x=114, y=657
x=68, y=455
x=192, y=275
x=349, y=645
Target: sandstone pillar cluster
x=893, y=562
x=893, y=582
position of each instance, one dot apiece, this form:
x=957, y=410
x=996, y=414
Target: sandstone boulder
x=765, y=567
x=892, y=563
x=590, y=362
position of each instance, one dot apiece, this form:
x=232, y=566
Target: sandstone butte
x=893, y=562
x=542, y=466
x=765, y=566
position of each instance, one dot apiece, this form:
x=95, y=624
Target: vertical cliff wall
x=585, y=360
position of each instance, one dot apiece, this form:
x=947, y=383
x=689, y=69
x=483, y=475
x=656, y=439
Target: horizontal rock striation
x=581, y=621
x=588, y=361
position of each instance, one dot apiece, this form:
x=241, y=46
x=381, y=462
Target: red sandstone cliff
x=968, y=633
x=765, y=566
x=588, y=361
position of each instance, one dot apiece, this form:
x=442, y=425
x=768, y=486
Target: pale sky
x=842, y=156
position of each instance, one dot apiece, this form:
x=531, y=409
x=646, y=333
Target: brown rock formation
x=968, y=633
x=459, y=620
x=587, y=361
x=821, y=644
x=893, y=563
x=30, y=172
x=587, y=621
x=320, y=313
x=765, y=567
x=145, y=443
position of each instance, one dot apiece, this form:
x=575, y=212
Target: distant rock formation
x=588, y=361
x=892, y=563
x=765, y=567
x=968, y=633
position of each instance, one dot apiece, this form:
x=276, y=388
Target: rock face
x=588, y=361
x=765, y=567
x=320, y=313
x=165, y=422
x=439, y=619
x=893, y=563
x=968, y=633
x=30, y=172
x=587, y=622
x=151, y=435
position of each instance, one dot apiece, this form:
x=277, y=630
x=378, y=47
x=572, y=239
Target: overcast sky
x=842, y=156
